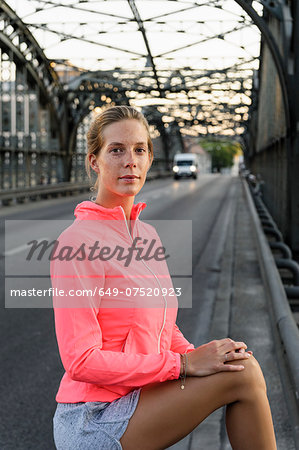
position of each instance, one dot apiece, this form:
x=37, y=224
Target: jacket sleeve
x=179, y=343
x=79, y=336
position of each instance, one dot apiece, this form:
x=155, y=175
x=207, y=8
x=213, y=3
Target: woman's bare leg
x=165, y=413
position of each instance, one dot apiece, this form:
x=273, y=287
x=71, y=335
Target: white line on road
x=20, y=248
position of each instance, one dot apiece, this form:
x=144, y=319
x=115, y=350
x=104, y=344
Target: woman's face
x=123, y=160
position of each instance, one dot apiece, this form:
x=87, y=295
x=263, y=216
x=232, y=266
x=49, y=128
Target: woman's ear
x=94, y=164
x=150, y=162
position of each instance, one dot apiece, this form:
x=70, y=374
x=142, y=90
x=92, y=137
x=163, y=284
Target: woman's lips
x=129, y=179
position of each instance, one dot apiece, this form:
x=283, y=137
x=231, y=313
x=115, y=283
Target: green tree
x=222, y=152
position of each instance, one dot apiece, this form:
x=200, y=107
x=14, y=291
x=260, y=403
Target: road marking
x=20, y=248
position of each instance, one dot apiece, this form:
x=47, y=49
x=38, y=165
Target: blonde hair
x=95, y=139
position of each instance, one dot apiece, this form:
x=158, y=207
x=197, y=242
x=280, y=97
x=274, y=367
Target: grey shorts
x=93, y=425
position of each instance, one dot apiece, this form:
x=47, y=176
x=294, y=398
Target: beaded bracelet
x=183, y=377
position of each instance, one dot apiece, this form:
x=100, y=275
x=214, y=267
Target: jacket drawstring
x=165, y=306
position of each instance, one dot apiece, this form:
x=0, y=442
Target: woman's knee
x=252, y=378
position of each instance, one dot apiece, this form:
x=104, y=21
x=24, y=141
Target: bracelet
x=183, y=377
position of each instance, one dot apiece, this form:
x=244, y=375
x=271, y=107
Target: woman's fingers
x=231, y=368
x=215, y=356
x=242, y=350
x=228, y=345
x=233, y=356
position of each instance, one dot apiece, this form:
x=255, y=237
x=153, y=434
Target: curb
x=284, y=325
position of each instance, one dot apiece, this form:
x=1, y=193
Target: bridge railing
x=285, y=330
x=44, y=191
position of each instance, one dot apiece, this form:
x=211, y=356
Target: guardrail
x=42, y=191
x=53, y=190
x=285, y=325
x=285, y=260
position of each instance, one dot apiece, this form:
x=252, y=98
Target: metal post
x=1, y=115
x=294, y=141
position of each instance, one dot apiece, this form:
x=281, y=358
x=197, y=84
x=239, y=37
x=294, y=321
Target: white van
x=185, y=165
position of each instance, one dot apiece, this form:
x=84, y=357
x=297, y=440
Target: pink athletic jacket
x=114, y=338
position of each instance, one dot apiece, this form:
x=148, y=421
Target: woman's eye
x=116, y=150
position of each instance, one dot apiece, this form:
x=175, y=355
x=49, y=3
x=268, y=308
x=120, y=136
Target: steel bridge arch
x=276, y=10
x=276, y=55
x=27, y=51
x=41, y=71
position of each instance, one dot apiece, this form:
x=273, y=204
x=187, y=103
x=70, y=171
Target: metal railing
x=33, y=193
x=285, y=261
x=41, y=191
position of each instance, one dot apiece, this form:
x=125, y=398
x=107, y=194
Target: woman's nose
x=131, y=160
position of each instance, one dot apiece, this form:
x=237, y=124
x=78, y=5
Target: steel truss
x=186, y=92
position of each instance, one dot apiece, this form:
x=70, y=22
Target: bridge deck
x=240, y=310
x=229, y=299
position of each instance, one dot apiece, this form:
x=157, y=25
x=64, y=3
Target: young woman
x=132, y=380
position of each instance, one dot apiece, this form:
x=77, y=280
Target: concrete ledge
x=285, y=325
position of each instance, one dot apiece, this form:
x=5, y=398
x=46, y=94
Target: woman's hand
x=215, y=356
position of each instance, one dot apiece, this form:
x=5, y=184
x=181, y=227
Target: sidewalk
x=240, y=311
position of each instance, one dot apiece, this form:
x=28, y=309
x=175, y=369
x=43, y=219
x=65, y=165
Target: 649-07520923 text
x=113, y=292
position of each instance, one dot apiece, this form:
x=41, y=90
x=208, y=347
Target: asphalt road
x=30, y=364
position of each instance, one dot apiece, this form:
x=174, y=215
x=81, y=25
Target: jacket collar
x=92, y=211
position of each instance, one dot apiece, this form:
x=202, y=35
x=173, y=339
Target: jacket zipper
x=164, y=316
